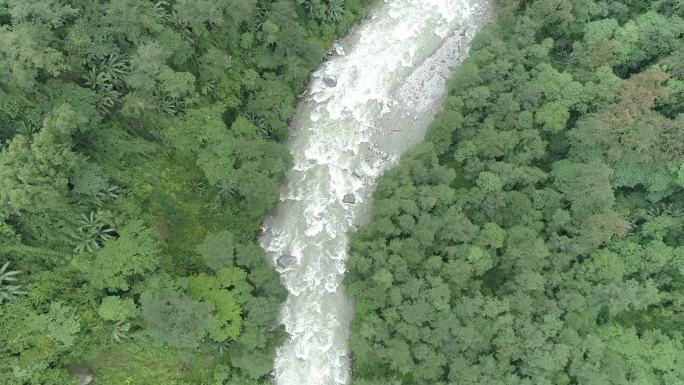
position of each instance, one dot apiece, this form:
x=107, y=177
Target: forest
x=140, y=148
x=536, y=237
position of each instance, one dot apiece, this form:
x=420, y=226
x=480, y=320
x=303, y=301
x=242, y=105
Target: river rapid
x=365, y=106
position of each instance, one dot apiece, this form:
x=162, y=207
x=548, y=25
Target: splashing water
x=388, y=87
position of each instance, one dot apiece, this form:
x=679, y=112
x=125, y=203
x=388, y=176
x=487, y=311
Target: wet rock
x=284, y=260
x=349, y=199
x=335, y=49
x=339, y=50
x=330, y=80
x=302, y=94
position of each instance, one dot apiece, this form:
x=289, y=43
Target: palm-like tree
x=109, y=98
x=315, y=9
x=198, y=187
x=106, y=78
x=27, y=129
x=664, y=209
x=226, y=191
x=174, y=106
x=335, y=10
x=115, y=66
x=261, y=15
x=110, y=192
x=208, y=87
x=8, y=287
x=120, y=331
x=92, y=233
x=84, y=242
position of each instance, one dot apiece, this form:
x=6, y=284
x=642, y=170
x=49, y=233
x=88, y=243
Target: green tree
x=174, y=318
x=120, y=261
x=218, y=250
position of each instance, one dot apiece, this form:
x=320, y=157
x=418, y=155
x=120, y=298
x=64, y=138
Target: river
x=364, y=106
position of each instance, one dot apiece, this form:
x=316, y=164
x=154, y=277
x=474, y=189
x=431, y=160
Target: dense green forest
x=537, y=236
x=140, y=149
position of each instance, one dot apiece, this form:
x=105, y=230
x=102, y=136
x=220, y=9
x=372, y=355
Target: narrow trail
x=363, y=108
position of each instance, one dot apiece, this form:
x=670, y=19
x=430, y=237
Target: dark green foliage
x=140, y=142
x=536, y=237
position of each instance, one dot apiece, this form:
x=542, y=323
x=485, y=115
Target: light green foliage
x=244, y=163
x=115, y=308
x=123, y=260
x=120, y=311
x=149, y=364
x=552, y=116
x=174, y=318
x=26, y=55
x=586, y=186
x=224, y=292
x=34, y=340
x=535, y=238
x=34, y=174
x=39, y=11
x=139, y=137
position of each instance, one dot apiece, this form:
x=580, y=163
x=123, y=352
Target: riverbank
x=342, y=137
x=140, y=149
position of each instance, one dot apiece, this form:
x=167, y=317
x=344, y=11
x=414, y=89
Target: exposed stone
x=338, y=49
x=284, y=260
x=349, y=199
x=330, y=80
x=335, y=49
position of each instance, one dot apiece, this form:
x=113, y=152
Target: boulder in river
x=349, y=199
x=284, y=260
x=335, y=49
x=330, y=80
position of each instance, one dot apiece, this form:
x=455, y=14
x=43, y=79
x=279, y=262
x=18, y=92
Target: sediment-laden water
x=364, y=107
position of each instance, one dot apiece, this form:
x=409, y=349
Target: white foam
x=381, y=76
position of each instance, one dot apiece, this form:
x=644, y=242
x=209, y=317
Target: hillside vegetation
x=140, y=149
x=537, y=236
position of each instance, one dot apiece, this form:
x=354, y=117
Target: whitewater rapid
x=390, y=74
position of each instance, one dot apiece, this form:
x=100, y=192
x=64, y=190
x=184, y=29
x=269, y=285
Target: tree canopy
x=536, y=236
x=140, y=149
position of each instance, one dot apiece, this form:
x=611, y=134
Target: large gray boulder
x=349, y=199
x=330, y=80
x=335, y=49
x=284, y=260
